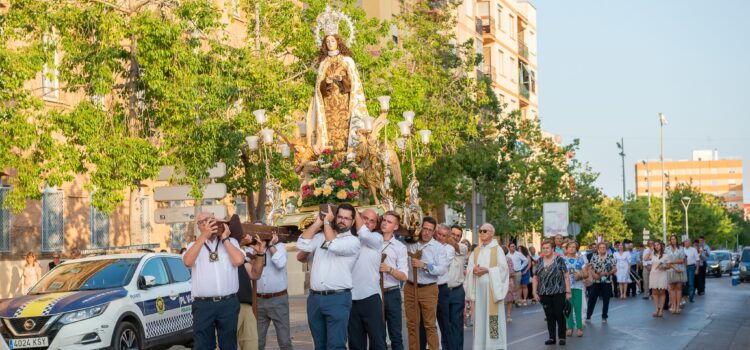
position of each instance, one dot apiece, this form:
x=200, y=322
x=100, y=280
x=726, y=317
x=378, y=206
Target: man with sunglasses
x=330, y=299
x=213, y=259
x=432, y=264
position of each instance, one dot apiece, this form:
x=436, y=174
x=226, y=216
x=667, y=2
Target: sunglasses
x=484, y=231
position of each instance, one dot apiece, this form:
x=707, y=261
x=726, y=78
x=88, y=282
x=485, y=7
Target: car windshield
x=87, y=275
x=721, y=256
x=746, y=255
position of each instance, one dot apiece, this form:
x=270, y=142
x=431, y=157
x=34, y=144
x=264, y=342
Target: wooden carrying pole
x=416, y=255
x=382, y=288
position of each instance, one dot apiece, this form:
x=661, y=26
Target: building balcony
x=523, y=50
x=489, y=31
x=479, y=26
x=523, y=90
x=489, y=71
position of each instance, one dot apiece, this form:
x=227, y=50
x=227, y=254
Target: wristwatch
x=224, y=239
x=326, y=222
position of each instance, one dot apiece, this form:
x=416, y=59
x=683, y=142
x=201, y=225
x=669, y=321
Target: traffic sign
x=187, y=214
x=179, y=193
x=167, y=172
x=574, y=229
x=646, y=235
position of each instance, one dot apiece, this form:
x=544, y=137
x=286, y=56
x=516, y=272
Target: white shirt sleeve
x=402, y=263
x=309, y=245
x=279, y=258
x=370, y=239
x=441, y=261
x=345, y=246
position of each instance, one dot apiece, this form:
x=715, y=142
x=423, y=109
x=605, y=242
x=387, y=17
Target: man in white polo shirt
x=213, y=258
x=395, y=270
x=330, y=299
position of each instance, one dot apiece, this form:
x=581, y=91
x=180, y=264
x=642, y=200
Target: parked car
x=745, y=264
x=719, y=262
x=116, y=301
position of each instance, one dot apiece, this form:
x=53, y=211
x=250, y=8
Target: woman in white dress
x=32, y=272
x=622, y=258
x=677, y=276
x=659, y=277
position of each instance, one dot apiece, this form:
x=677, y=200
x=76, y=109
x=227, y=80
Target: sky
x=607, y=68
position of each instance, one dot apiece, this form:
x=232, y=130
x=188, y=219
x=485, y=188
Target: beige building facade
x=505, y=34
x=705, y=172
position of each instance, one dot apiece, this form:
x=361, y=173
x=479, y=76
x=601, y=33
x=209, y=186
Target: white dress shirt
x=692, y=255
x=647, y=255
x=396, y=257
x=450, y=253
x=331, y=268
x=434, y=256
x=214, y=279
x=458, y=264
x=366, y=272
x=519, y=261
x=274, y=278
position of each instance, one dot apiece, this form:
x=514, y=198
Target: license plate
x=27, y=343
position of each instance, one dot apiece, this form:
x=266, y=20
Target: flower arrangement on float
x=331, y=181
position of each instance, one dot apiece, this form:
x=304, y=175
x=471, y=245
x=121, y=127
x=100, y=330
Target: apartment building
x=506, y=36
x=705, y=172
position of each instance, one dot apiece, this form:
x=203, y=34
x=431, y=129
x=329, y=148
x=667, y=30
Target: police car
x=117, y=301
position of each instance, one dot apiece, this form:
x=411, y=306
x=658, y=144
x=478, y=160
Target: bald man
x=366, y=318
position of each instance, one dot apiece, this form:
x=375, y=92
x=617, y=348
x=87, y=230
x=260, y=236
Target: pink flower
x=327, y=151
x=336, y=164
x=350, y=194
x=354, y=176
x=340, y=183
x=315, y=170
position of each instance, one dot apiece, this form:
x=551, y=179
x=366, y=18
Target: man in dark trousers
x=213, y=259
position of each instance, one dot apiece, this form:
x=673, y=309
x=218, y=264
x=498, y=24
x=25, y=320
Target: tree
x=610, y=223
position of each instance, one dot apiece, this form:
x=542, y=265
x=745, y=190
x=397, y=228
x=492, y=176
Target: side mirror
x=145, y=282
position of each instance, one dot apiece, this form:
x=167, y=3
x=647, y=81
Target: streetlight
x=662, y=122
x=685, y=204
x=621, y=147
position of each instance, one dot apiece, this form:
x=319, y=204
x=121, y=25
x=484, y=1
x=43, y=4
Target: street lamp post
x=621, y=147
x=685, y=204
x=648, y=182
x=662, y=122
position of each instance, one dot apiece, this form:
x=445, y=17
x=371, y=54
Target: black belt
x=215, y=299
x=691, y=264
x=444, y=284
x=390, y=289
x=329, y=292
x=420, y=285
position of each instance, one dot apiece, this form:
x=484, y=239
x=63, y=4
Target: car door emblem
x=29, y=324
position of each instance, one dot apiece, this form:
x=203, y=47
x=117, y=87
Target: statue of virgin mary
x=338, y=101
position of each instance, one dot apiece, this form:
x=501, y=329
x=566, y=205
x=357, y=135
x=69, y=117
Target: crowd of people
x=365, y=277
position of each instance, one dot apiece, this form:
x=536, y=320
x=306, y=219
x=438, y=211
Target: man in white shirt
x=273, y=299
x=456, y=289
x=366, y=316
x=330, y=299
x=442, y=235
x=433, y=263
x=213, y=259
x=692, y=262
x=519, y=264
x=395, y=270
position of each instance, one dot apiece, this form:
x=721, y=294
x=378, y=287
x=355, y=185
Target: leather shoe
x=549, y=342
x=562, y=342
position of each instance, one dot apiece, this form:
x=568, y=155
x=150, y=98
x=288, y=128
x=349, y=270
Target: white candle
x=260, y=116
x=384, y=102
x=267, y=136
x=409, y=116
x=285, y=150
x=425, y=136
x=367, y=120
x=302, y=127
x=252, y=142
x=405, y=128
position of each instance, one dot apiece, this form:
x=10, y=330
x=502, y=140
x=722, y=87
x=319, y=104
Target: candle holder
x=384, y=103
x=260, y=116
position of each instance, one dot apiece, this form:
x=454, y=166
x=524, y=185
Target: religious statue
x=338, y=101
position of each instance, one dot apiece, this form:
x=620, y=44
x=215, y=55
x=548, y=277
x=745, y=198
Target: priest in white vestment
x=486, y=285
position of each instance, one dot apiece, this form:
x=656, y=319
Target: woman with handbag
x=658, y=277
x=551, y=287
x=676, y=264
x=576, y=264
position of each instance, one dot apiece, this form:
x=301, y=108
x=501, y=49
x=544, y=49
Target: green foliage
x=609, y=222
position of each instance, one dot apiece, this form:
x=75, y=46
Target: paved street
x=718, y=320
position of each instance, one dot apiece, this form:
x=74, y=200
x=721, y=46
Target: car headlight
x=743, y=268
x=83, y=314
x=715, y=266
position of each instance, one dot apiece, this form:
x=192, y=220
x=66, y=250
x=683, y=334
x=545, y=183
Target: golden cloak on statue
x=338, y=102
